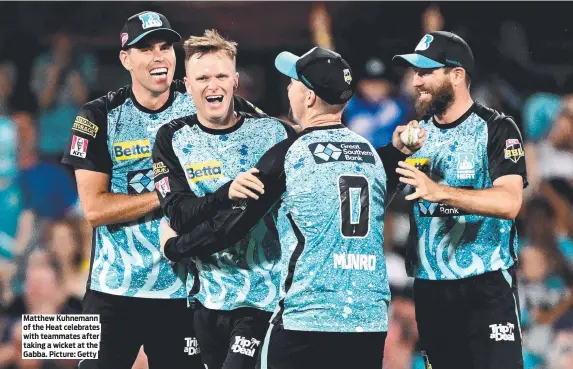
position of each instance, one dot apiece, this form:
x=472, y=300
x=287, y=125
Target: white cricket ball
x=410, y=135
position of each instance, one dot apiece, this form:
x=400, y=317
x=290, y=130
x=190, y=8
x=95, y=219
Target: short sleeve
x=505, y=150
x=87, y=143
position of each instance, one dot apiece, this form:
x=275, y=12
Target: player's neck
x=148, y=99
x=227, y=121
x=459, y=107
x=321, y=120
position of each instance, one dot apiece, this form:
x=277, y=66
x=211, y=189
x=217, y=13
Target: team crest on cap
x=150, y=19
x=347, y=76
x=424, y=43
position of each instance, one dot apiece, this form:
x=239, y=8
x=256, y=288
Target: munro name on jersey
x=325, y=152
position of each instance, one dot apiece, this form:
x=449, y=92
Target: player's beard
x=442, y=98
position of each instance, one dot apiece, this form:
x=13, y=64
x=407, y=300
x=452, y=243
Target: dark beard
x=441, y=100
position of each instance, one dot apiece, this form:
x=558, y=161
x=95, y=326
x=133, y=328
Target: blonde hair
x=210, y=42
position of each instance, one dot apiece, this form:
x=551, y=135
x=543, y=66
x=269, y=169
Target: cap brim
x=419, y=61
x=170, y=35
x=285, y=62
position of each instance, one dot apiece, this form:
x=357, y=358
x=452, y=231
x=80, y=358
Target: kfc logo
x=162, y=186
x=79, y=147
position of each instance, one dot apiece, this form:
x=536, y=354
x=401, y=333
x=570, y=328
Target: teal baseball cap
x=440, y=49
x=142, y=24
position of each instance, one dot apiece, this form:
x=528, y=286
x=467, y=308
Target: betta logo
x=203, y=171
x=128, y=150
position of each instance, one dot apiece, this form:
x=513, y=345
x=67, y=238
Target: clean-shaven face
x=211, y=79
x=152, y=65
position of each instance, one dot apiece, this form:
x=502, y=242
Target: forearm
x=79, y=90
x=80, y=94
x=224, y=229
x=236, y=219
x=213, y=235
x=551, y=316
x=186, y=211
x=320, y=24
x=48, y=94
x=7, y=354
x=563, y=216
x=390, y=157
x=563, y=306
x=112, y=208
x=5, y=86
x=491, y=202
x=532, y=164
x=24, y=231
x=203, y=241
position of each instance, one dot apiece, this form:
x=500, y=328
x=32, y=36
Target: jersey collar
x=456, y=122
x=149, y=111
x=224, y=131
x=319, y=128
